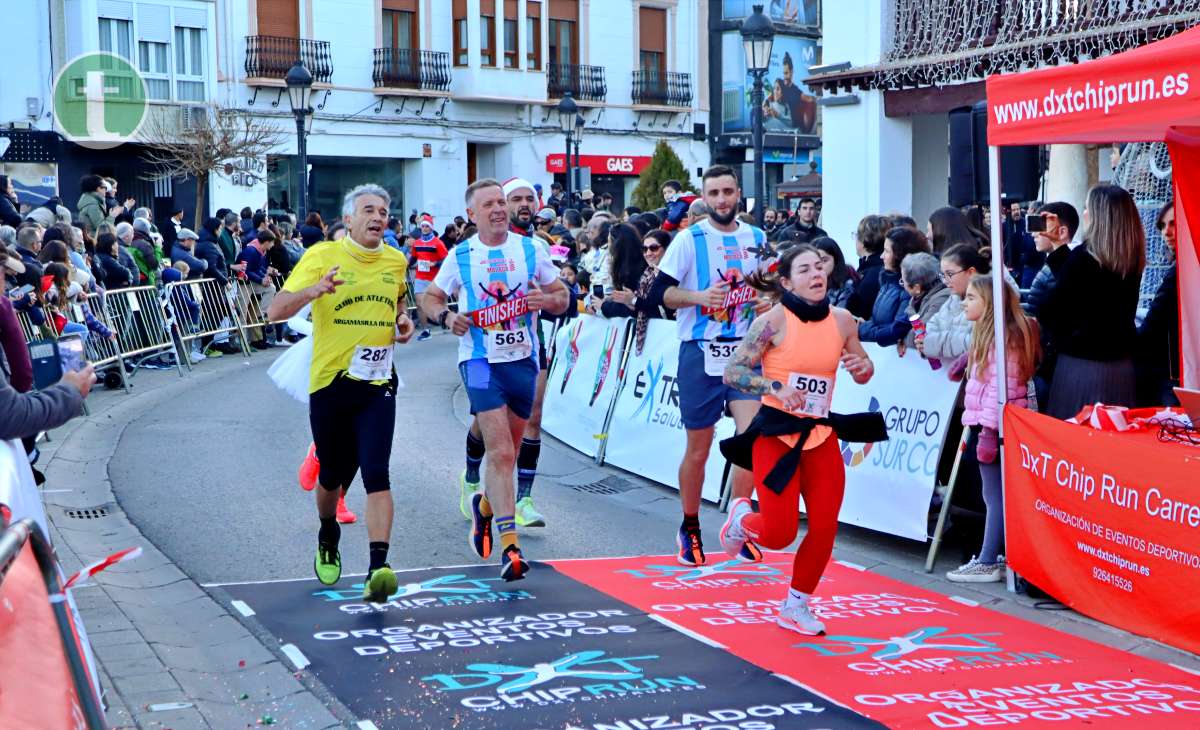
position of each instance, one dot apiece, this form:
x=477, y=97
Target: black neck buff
x=805, y=310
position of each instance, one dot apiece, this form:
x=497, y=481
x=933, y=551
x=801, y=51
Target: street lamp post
x=758, y=35
x=567, y=111
x=299, y=85
x=578, y=143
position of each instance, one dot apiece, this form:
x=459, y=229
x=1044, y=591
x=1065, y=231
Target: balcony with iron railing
x=411, y=68
x=270, y=57
x=662, y=88
x=584, y=83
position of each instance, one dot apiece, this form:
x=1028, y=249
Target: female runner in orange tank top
x=798, y=344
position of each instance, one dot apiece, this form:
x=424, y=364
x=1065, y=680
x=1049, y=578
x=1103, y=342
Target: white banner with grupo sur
x=888, y=485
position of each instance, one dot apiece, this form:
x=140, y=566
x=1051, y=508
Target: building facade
x=420, y=96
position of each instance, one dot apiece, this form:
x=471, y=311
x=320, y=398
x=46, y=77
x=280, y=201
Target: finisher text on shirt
x=501, y=312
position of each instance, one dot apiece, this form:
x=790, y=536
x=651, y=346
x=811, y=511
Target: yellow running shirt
x=360, y=314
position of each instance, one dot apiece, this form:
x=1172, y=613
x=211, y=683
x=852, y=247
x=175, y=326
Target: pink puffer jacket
x=980, y=403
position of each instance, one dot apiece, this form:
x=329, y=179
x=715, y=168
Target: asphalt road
x=212, y=482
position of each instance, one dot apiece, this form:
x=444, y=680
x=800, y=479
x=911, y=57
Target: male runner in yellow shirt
x=356, y=286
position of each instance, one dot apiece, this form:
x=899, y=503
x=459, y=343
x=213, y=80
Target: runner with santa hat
x=428, y=253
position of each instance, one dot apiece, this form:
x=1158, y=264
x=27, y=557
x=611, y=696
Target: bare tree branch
x=213, y=137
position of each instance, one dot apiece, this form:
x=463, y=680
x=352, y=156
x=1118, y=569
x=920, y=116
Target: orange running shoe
x=310, y=469
x=344, y=515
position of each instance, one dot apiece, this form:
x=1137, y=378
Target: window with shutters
x=400, y=29
x=652, y=31
x=487, y=32
x=116, y=36
x=533, y=36
x=564, y=32
x=510, y=34
x=152, y=63
x=279, y=18
x=460, y=33
x=189, y=64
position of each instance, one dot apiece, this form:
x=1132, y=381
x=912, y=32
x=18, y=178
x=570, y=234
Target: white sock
x=795, y=598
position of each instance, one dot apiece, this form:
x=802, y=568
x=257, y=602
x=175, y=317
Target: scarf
x=641, y=325
x=805, y=310
x=361, y=252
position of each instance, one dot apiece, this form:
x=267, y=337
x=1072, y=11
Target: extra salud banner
x=1117, y=523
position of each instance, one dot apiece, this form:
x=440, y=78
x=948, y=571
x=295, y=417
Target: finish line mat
x=642, y=643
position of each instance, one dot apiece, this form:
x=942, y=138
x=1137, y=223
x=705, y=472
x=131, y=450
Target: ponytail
x=969, y=256
x=768, y=280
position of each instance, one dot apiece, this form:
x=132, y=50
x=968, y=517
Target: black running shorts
x=352, y=425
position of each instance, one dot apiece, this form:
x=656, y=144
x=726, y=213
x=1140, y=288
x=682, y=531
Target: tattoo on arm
x=739, y=373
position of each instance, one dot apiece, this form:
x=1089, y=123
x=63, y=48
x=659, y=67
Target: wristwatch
x=441, y=320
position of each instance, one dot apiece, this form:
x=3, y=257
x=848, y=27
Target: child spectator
x=981, y=409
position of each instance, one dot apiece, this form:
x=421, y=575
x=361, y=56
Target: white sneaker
x=798, y=617
x=977, y=572
x=196, y=356
x=732, y=534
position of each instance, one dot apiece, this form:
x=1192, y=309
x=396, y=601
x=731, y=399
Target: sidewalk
x=170, y=656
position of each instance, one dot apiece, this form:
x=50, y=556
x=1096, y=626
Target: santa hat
x=514, y=184
x=427, y=219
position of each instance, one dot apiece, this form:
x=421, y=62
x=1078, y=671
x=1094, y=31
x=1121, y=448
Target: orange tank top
x=808, y=360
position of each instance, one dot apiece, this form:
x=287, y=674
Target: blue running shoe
x=513, y=565
x=691, y=547
x=480, y=535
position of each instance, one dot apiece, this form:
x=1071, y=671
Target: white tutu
x=290, y=371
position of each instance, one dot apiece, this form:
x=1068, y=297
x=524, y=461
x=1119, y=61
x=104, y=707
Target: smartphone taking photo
x=1035, y=223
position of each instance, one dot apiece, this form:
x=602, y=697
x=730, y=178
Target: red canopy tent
x=1149, y=94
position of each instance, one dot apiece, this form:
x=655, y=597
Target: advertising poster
x=889, y=484
x=788, y=12
x=583, y=380
x=1117, y=523
x=789, y=107
x=460, y=648
x=907, y=657
x=646, y=435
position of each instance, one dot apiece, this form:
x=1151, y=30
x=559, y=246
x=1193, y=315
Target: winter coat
x=10, y=215
x=256, y=265
x=229, y=246
x=116, y=276
x=1044, y=283
x=889, y=322
x=677, y=210
x=197, y=268
x=981, y=402
x=947, y=332
x=931, y=303
x=208, y=249
x=840, y=297
x=91, y=210
x=146, y=257
x=800, y=233
x=862, y=301
x=1157, y=354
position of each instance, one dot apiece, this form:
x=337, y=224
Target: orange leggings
x=821, y=479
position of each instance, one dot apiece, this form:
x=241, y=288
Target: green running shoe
x=328, y=564
x=527, y=515
x=465, y=490
x=380, y=585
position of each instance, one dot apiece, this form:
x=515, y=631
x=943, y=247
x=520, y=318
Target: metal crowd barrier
x=12, y=541
x=139, y=318
x=203, y=308
x=250, y=310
